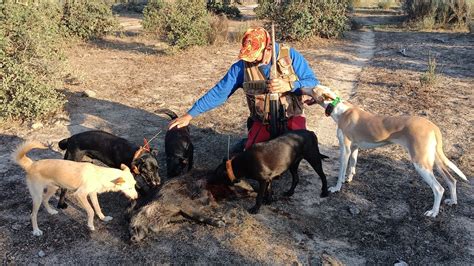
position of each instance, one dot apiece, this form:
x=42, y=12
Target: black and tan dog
x=178, y=148
x=112, y=151
x=265, y=161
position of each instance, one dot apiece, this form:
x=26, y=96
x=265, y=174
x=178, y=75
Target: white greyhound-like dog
x=357, y=128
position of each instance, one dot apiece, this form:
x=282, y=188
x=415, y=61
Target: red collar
x=230, y=171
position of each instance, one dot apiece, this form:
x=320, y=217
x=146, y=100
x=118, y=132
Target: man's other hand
x=278, y=85
x=180, y=122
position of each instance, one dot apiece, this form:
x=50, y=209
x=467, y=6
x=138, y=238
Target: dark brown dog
x=267, y=160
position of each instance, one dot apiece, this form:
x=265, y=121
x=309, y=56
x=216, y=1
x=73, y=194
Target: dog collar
x=230, y=171
x=331, y=106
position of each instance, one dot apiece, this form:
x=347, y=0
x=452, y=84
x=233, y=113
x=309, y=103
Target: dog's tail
x=63, y=144
x=442, y=160
x=19, y=155
x=167, y=112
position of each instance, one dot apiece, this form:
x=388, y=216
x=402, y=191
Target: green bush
x=429, y=14
x=30, y=57
x=183, y=23
x=88, y=19
x=154, y=16
x=218, y=7
x=299, y=20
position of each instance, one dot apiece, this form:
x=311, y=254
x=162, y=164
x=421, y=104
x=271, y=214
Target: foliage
x=219, y=7
x=299, y=20
x=88, y=19
x=29, y=61
x=182, y=23
x=154, y=16
x=385, y=4
x=428, y=79
x=428, y=14
x=219, y=32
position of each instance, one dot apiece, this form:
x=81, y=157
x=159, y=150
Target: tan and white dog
x=85, y=178
x=357, y=128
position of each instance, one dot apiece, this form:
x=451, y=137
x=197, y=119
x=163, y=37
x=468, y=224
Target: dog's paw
x=450, y=202
x=334, y=189
x=107, y=218
x=37, y=232
x=52, y=211
x=431, y=213
x=91, y=227
x=324, y=194
x=62, y=205
x=253, y=210
x=267, y=200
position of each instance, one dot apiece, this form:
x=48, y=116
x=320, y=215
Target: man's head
x=256, y=45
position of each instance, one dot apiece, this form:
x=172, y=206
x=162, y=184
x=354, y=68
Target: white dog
x=357, y=128
x=85, y=178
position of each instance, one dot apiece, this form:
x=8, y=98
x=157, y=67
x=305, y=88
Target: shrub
x=154, y=17
x=428, y=79
x=182, y=23
x=218, y=7
x=219, y=29
x=299, y=20
x=88, y=19
x=29, y=61
x=385, y=4
x=438, y=13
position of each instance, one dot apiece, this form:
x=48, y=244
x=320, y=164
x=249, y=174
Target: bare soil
x=376, y=219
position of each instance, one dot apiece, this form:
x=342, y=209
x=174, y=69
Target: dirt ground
x=376, y=219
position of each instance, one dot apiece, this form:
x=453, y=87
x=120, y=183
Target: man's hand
x=308, y=100
x=180, y=122
x=278, y=85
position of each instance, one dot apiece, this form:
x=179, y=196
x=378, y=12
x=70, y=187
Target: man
x=252, y=73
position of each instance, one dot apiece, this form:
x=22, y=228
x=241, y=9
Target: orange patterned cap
x=253, y=43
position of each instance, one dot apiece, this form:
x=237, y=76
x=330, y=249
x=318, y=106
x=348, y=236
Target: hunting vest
x=254, y=80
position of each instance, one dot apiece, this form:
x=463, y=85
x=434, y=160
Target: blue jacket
x=235, y=78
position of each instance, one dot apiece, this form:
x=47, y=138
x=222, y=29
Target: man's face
x=259, y=58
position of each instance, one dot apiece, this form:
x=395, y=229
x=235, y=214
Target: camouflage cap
x=253, y=43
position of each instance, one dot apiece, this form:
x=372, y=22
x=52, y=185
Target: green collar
x=335, y=101
x=332, y=105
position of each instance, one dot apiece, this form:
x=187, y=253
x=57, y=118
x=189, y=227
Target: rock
x=89, y=93
x=400, y=263
x=41, y=254
x=353, y=210
x=37, y=125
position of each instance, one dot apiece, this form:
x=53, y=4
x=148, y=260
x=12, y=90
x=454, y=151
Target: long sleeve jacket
x=234, y=79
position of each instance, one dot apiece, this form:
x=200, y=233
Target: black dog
x=267, y=160
x=112, y=151
x=178, y=148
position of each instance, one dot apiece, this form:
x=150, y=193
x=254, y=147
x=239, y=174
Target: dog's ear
x=124, y=167
x=327, y=97
x=119, y=181
x=135, y=169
